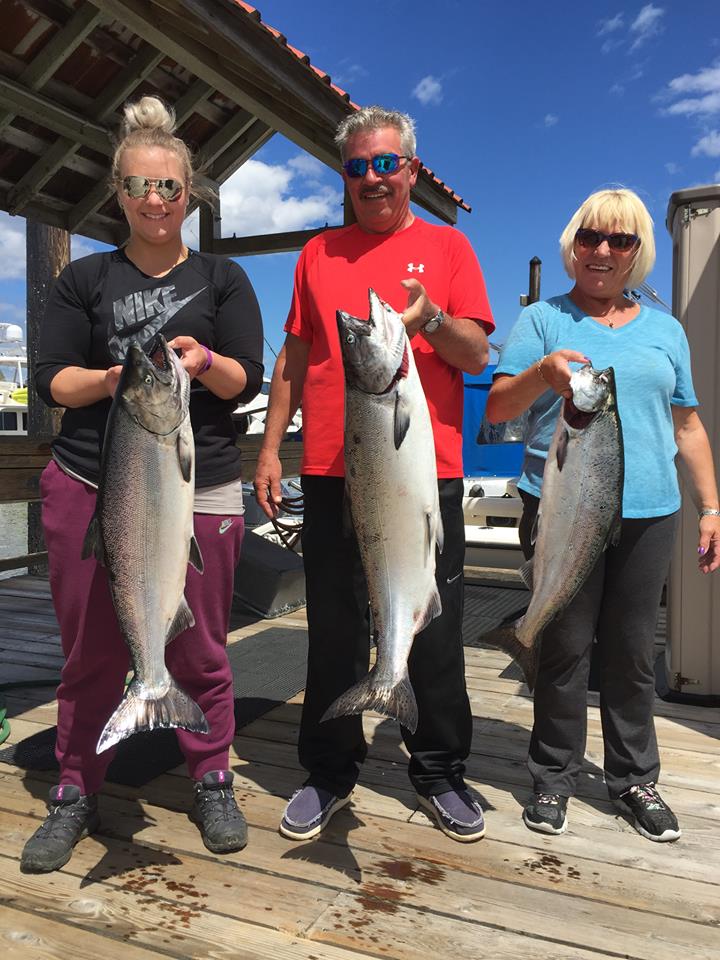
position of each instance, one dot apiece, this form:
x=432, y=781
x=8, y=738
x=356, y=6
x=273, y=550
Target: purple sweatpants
x=96, y=656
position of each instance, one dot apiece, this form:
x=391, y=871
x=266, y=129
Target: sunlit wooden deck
x=381, y=881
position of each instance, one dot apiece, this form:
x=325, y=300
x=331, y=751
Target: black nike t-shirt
x=98, y=304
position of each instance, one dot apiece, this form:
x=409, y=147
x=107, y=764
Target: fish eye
x=148, y=379
x=350, y=338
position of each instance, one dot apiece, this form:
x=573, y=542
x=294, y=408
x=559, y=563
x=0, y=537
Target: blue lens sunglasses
x=383, y=164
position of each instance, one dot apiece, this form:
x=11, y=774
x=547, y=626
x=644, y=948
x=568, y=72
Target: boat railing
x=22, y=460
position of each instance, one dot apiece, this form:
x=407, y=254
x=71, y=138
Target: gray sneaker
x=309, y=811
x=648, y=813
x=70, y=818
x=222, y=826
x=457, y=813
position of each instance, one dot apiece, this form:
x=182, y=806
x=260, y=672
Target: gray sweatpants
x=618, y=604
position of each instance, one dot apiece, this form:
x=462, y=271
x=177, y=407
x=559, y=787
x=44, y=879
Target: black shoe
x=546, y=813
x=71, y=818
x=214, y=810
x=648, y=813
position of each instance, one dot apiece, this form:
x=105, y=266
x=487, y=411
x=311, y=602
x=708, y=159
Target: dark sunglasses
x=383, y=164
x=616, y=241
x=138, y=188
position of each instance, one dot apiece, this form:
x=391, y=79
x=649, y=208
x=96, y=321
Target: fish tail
x=395, y=700
x=137, y=714
x=527, y=658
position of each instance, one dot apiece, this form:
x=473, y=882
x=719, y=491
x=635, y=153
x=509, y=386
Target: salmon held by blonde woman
x=101, y=306
x=608, y=248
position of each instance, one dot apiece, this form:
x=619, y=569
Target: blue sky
x=523, y=109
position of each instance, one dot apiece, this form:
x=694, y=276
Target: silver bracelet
x=708, y=512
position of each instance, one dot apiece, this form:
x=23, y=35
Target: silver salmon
x=142, y=533
x=391, y=486
x=579, y=514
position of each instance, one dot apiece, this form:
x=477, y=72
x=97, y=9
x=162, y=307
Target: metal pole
x=534, y=283
x=48, y=252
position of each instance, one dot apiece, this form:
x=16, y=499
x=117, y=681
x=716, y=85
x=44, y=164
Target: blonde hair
x=615, y=209
x=376, y=118
x=150, y=123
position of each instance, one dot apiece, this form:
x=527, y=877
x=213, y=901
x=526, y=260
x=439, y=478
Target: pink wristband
x=208, y=362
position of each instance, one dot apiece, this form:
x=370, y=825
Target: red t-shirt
x=334, y=272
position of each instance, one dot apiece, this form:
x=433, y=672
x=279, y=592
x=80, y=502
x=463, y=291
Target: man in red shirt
x=430, y=273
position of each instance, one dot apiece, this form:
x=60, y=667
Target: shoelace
x=647, y=793
x=548, y=798
x=222, y=799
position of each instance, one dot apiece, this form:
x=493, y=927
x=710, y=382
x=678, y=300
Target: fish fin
x=182, y=620
x=185, y=456
x=402, y=418
x=395, y=700
x=527, y=658
x=526, y=571
x=93, y=542
x=137, y=714
x=614, y=532
x=535, y=529
x=561, y=451
x=195, y=557
x=432, y=610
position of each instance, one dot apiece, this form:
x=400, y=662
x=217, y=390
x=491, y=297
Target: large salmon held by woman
x=579, y=513
x=142, y=533
x=391, y=486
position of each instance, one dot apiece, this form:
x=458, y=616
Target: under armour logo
x=420, y=268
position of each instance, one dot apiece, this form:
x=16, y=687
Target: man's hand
x=420, y=307
x=709, y=544
x=267, y=483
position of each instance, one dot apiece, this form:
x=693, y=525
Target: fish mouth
x=576, y=418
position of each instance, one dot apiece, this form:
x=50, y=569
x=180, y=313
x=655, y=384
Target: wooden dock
x=380, y=881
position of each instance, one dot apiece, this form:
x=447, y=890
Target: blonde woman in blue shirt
x=607, y=248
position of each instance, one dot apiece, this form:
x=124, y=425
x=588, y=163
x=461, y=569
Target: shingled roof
x=67, y=66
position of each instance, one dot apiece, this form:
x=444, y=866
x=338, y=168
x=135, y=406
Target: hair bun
x=148, y=113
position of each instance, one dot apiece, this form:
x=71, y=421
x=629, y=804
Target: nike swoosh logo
x=118, y=344
x=225, y=526
x=453, y=579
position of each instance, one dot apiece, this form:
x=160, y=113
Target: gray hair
x=376, y=118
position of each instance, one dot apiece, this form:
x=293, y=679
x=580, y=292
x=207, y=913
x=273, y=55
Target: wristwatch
x=431, y=325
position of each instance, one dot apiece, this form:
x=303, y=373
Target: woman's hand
x=192, y=355
x=709, y=544
x=112, y=378
x=555, y=370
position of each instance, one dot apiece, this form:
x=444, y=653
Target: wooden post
x=210, y=220
x=348, y=212
x=48, y=252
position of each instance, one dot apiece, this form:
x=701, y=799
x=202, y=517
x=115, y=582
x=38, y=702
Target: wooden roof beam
x=82, y=22
x=38, y=146
x=265, y=243
x=138, y=68
x=230, y=160
x=39, y=109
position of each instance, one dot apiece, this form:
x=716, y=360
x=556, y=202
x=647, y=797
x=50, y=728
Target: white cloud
x=705, y=82
x=428, y=91
x=707, y=146
x=550, y=119
x=673, y=168
x=646, y=24
x=12, y=313
x=12, y=247
x=610, y=25
x=618, y=89
x=258, y=199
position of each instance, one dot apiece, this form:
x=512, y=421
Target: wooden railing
x=23, y=459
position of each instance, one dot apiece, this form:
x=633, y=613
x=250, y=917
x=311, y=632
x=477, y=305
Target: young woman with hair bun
x=206, y=309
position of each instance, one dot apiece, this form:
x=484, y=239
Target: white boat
x=13, y=381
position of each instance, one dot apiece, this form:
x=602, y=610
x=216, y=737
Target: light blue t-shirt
x=651, y=358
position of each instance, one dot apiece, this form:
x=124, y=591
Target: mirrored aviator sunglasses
x=382, y=163
x=137, y=188
x=623, y=242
